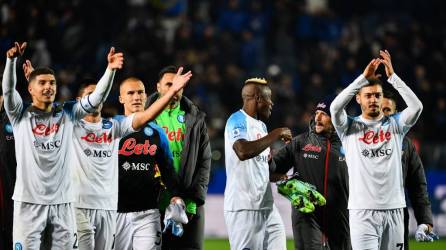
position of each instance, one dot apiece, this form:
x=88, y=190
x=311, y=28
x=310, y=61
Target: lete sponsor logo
x=42, y=129
x=174, y=135
x=130, y=147
x=102, y=138
x=370, y=137
x=312, y=148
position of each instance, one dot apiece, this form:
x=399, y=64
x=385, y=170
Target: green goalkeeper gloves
x=303, y=196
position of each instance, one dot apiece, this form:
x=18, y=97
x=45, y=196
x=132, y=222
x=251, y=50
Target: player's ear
x=120, y=100
x=358, y=98
x=158, y=86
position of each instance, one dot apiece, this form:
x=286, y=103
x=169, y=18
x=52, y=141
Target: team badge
x=180, y=118
x=18, y=246
x=106, y=124
x=148, y=131
x=8, y=128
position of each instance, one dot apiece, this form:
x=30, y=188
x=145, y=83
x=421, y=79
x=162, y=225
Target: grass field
x=223, y=244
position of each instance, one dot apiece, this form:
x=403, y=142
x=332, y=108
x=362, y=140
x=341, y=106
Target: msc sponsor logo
x=370, y=137
x=310, y=156
x=93, y=138
x=262, y=158
x=98, y=153
x=135, y=166
x=42, y=129
x=47, y=146
x=130, y=147
x=312, y=148
x=374, y=153
x=179, y=135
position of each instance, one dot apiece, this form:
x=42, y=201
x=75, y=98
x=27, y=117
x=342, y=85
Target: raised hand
x=17, y=50
x=180, y=80
x=371, y=68
x=115, y=60
x=386, y=60
x=27, y=69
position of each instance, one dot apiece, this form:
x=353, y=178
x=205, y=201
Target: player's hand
x=115, y=60
x=17, y=50
x=371, y=68
x=424, y=233
x=177, y=200
x=180, y=80
x=27, y=69
x=284, y=134
x=386, y=60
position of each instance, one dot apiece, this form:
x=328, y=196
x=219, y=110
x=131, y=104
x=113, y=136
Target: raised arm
x=92, y=101
x=337, y=107
x=12, y=101
x=410, y=114
x=178, y=83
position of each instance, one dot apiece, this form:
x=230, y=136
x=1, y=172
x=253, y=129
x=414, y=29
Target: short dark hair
x=390, y=95
x=374, y=81
x=85, y=82
x=167, y=69
x=40, y=71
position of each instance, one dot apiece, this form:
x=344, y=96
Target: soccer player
x=372, y=144
x=316, y=155
x=95, y=159
x=414, y=182
x=43, y=130
x=143, y=156
x=251, y=218
x=7, y=177
x=185, y=127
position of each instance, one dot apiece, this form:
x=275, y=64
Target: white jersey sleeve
x=12, y=100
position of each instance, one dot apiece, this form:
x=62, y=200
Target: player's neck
x=94, y=118
x=250, y=111
x=42, y=106
x=372, y=118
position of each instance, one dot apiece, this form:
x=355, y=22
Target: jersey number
x=400, y=245
x=75, y=241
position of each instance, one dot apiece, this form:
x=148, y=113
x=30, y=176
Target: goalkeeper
x=316, y=156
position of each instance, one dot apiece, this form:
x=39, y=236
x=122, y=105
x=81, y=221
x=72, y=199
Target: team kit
x=139, y=180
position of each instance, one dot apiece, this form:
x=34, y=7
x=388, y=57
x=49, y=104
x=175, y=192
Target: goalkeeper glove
x=425, y=234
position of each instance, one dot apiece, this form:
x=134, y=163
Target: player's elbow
x=241, y=153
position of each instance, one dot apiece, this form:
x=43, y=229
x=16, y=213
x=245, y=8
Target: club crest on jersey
x=8, y=128
x=18, y=246
x=106, y=124
x=180, y=118
x=148, y=131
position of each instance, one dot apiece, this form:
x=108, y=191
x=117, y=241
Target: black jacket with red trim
x=307, y=154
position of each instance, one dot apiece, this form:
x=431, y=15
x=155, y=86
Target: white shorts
x=377, y=229
x=96, y=228
x=138, y=230
x=44, y=226
x=255, y=229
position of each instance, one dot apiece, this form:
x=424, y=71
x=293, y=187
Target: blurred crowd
x=307, y=49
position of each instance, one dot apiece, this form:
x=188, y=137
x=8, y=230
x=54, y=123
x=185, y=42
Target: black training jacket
x=319, y=161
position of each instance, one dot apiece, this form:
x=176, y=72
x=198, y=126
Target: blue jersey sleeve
x=236, y=127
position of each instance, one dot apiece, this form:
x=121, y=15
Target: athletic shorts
x=138, y=230
x=38, y=226
x=96, y=228
x=255, y=229
x=377, y=229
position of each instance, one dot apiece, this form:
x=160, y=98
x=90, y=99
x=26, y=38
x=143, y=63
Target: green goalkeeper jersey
x=173, y=123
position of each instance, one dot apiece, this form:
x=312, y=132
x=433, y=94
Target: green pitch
x=223, y=244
